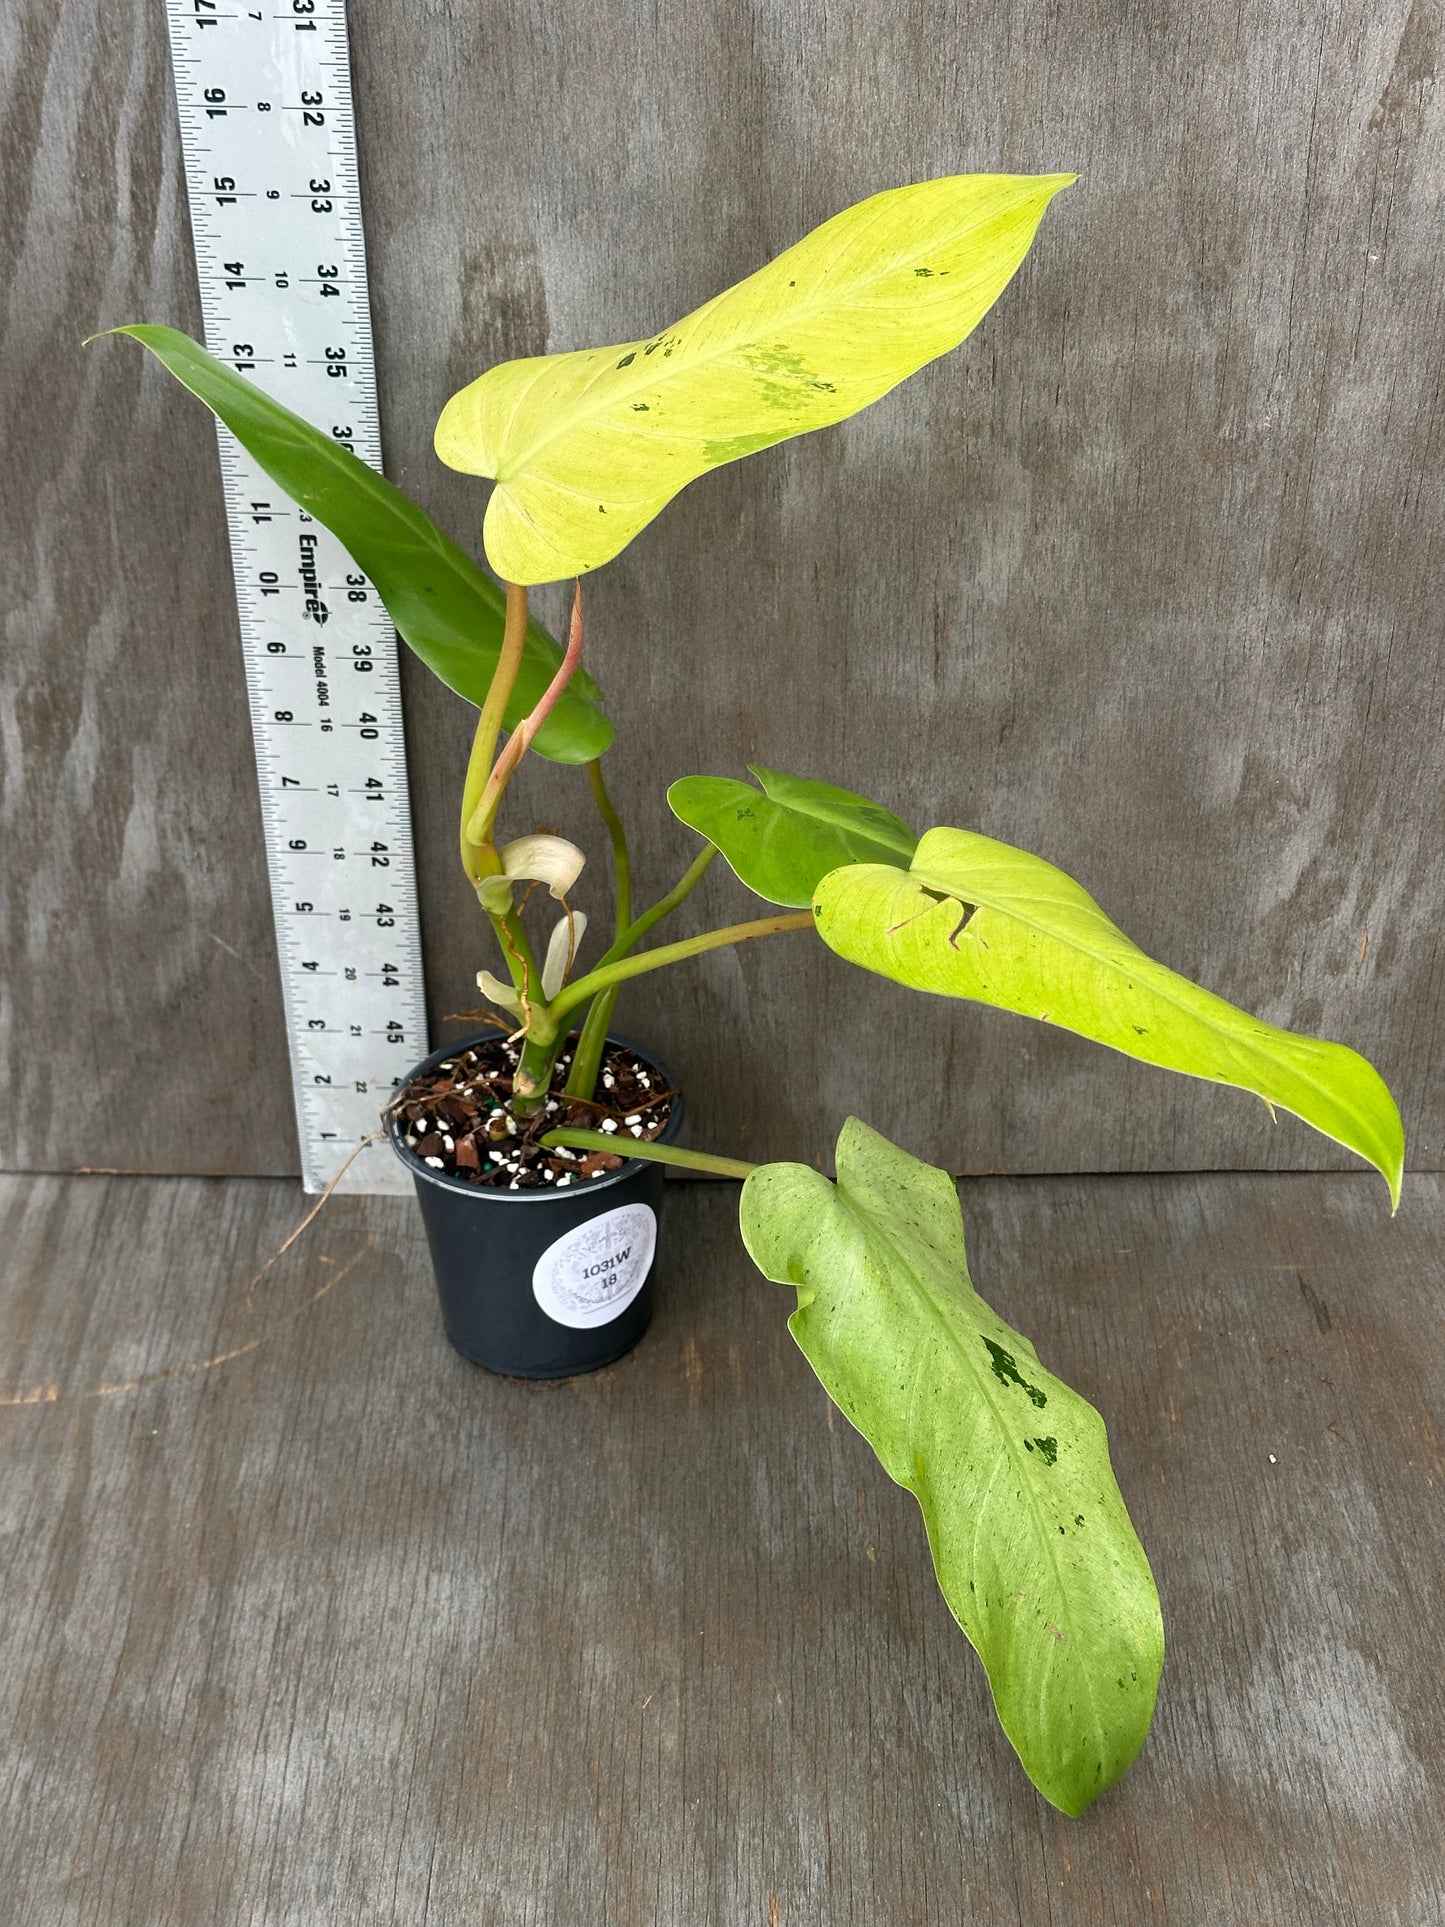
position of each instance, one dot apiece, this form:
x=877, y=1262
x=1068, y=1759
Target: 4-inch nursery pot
x=542, y=1283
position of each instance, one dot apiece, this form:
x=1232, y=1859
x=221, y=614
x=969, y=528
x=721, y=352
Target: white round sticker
x=593, y=1272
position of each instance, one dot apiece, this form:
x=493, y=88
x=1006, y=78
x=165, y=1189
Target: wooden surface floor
x=345, y=1631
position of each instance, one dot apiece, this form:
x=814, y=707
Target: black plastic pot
x=542, y=1284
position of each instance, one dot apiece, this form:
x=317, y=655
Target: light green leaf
x=441, y=602
x=586, y=448
x=782, y=842
x=978, y=919
x=1032, y=1544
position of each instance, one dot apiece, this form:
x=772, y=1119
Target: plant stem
x=521, y=963
x=587, y=1060
x=621, y=861
x=664, y=907
x=591, y=1043
x=657, y=1153
x=532, y=1078
x=506, y=924
x=489, y=725
x=670, y=953
x=487, y=778
x=479, y=828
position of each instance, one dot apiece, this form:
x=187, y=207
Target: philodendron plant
x=1032, y=1544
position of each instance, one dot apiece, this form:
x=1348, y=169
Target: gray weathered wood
x=1146, y=577
x=346, y=1630
x=136, y=917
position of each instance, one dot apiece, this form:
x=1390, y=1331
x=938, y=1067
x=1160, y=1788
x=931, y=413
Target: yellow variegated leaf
x=974, y=918
x=1030, y=1538
x=586, y=448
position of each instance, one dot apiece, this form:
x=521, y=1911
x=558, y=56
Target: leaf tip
x=1388, y=1152
x=137, y=330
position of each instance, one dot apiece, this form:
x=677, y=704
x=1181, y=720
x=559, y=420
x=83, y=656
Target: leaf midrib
x=1083, y=949
x=837, y=823
x=374, y=484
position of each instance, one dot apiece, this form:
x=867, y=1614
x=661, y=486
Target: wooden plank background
x=1146, y=577
x=347, y=1631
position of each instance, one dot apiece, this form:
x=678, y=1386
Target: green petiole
x=705, y=1161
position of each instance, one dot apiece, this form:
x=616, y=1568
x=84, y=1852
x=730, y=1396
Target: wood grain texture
x=1143, y=578
x=133, y=900
x=346, y=1630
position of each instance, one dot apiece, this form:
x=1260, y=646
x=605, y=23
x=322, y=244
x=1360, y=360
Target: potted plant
x=1030, y=1537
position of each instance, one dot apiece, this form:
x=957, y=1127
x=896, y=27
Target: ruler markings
x=270, y=156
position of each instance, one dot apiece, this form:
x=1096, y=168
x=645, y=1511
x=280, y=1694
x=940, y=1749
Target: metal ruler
x=269, y=140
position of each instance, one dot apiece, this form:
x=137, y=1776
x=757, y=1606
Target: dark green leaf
x=443, y=605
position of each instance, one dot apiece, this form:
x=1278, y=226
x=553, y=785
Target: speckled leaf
x=978, y=919
x=586, y=448
x=783, y=840
x=1031, y=1541
x=443, y=605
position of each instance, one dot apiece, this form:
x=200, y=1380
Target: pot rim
x=492, y=1194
